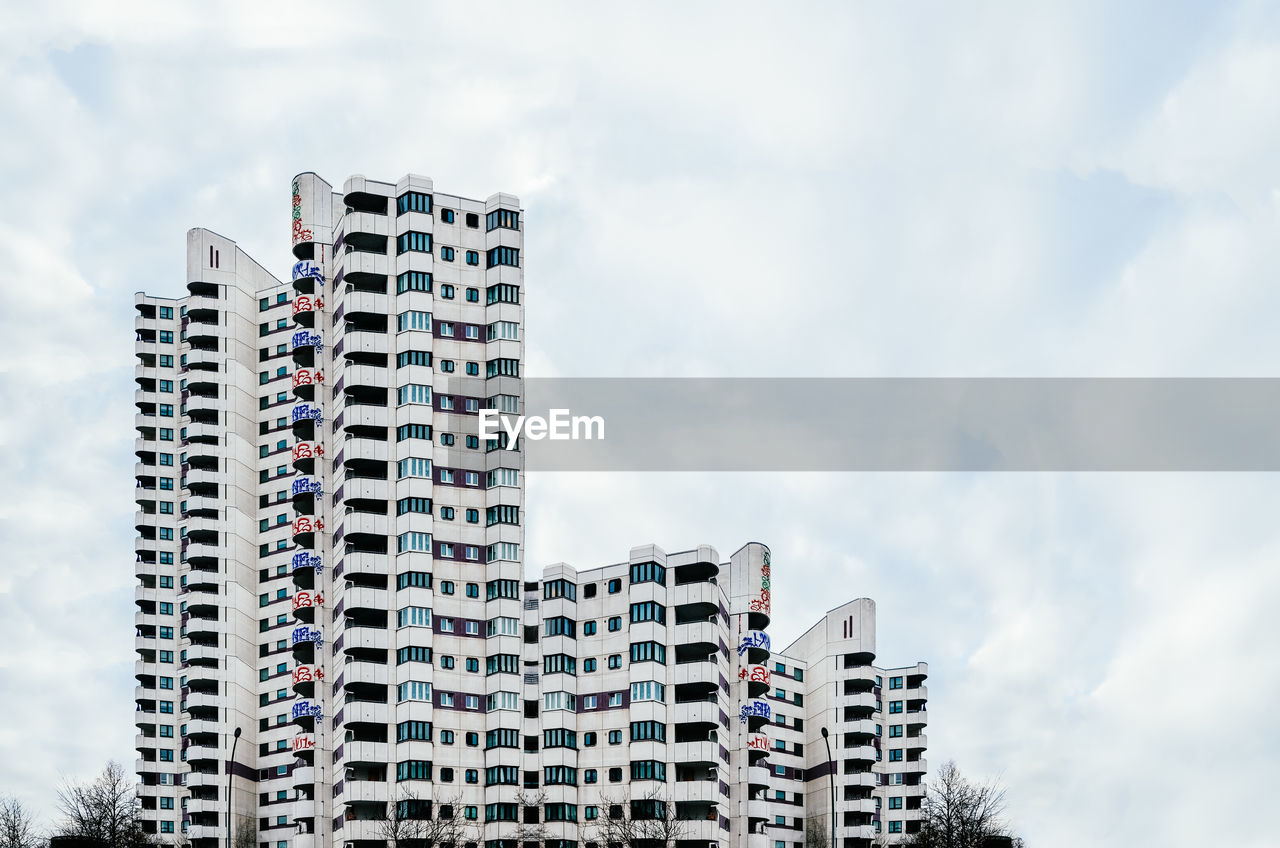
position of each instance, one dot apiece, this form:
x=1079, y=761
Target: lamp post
x=235, y=740
x=831, y=773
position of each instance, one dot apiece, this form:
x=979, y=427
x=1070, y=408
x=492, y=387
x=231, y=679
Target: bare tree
x=530, y=827
x=106, y=809
x=413, y=822
x=246, y=832
x=958, y=813
x=17, y=827
x=648, y=821
x=817, y=832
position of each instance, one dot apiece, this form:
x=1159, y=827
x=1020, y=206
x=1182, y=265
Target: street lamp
x=230, y=771
x=831, y=772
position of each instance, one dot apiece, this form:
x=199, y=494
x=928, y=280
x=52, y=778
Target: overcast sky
x=979, y=189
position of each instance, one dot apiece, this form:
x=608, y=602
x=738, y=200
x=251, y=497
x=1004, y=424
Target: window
x=560, y=626
x=415, y=541
x=414, y=242
x=588, y=628
x=413, y=393
x=560, y=701
x=413, y=653
x=895, y=706
x=413, y=466
x=473, y=296
x=419, y=281
x=560, y=589
x=504, y=218
x=588, y=665
x=642, y=731
x=895, y=827
x=895, y=731
x=473, y=257
x=502, y=256
x=615, y=737
x=446, y=215
x=559, y=738
x=413, y=431
x=648, y=652
x=648, y=611
x=446, y=291
x=502, y=330
x=615, y=623
x=407, y=505
x=559, y=664
x=413, y=617
x=895, y=755
x=413, y=770
x=413, y=357
x=502, y=293
x=648, y=691
x=413, y=320
x=413, y=201
x=502, y=514
x=647, y=572
x=895, y=803
x=615, y=586
x=446, y=254
x=648, y=770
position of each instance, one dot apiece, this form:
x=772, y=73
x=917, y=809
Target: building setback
x=334, y=630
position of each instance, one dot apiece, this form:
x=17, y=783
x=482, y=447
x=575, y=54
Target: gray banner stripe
x=911, y=424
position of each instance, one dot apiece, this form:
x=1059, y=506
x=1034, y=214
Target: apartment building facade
x=335, y=635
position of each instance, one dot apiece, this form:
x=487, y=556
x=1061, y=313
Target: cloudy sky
x=981, y=189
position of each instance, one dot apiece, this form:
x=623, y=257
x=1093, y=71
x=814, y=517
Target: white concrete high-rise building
x=337, y=645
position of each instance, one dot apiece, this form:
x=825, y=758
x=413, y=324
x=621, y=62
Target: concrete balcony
x=363, y=831
x=365, y=341
x=365, y=752
x=369, y=376
x=365, y=488
x=207, y=628
x=698, y=632
x=365, y=416
x=197, y=357
x=693, y=672
x=361, y=301
x=694, y=593
x=864, y=779
x=865, y=753
x=695, y=712
x=366, y=563
x=361, y=262
x=203, y=780
x=212, y=805
x=368, y=791
x=376, y=674
x=364, y=712
x=365, y=522
x=865, y=701
x=371, y=638
x=369, y=450
x=696, y=752
x=362, y=597
x=860, y=832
